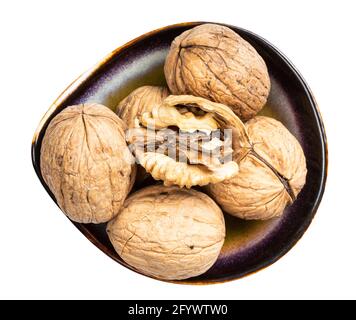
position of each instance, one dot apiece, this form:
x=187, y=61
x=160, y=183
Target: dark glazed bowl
x=249, y=245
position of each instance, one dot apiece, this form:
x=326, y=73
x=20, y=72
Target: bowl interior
x=249, y=245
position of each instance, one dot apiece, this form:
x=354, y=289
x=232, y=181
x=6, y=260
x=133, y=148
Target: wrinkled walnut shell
x=141, y=100
x=214, y=62
x=168, y=233
x=270, y=177
x=86, y=163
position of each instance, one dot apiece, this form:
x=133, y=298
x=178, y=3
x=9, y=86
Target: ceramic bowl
x=249, y=245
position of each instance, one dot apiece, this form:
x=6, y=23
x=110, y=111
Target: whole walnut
x=214, y=62
x=271, y=175
x=86, y=163
x=168, y=233
x=181, y=140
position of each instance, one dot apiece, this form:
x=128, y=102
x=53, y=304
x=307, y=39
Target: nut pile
x=200, y=130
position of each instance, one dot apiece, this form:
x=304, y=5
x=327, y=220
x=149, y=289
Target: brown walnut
x=86, y=163
x=141, y=100
x=189, y=126
x=168, y=233
x=214, y=62
x=271, y=174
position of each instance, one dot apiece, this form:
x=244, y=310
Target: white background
x=44, y=45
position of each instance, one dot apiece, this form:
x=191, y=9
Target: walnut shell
x=141, y=100
x=168, y=233
x=86, y=163
x=176, y=111
x=214, y=62
x=270, y=177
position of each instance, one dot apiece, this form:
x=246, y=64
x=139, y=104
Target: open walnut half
x=187, y=140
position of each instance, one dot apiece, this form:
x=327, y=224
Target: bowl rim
x=72, y=87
